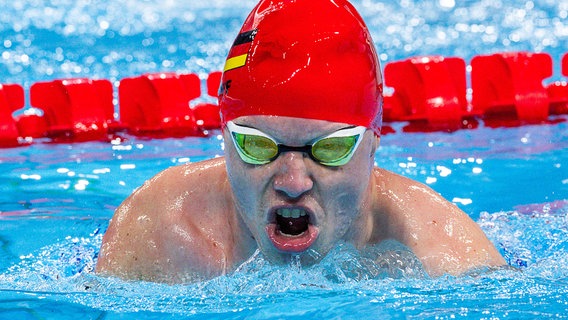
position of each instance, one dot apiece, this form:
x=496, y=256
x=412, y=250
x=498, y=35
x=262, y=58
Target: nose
x=293, y=178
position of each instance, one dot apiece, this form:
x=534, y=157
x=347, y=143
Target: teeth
x=296, y=213
x=291, y=213
x=286, y=213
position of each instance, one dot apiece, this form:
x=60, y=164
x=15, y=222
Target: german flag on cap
x=239, y=51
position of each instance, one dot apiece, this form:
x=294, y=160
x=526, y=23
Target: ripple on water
x=345, y=278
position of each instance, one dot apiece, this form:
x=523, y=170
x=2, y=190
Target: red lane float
x=75, y=109
x=509, y=85
x=11, y=99
x=159, y=105
x=558, y=92
x=430, y=92
x=31, y=125
x=565, y=65
x=207, y=115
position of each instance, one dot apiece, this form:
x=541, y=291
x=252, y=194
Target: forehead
x=291, y=130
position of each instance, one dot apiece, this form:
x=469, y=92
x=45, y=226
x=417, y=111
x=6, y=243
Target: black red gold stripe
x=239, y=51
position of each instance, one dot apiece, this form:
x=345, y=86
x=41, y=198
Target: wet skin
x=204, y=219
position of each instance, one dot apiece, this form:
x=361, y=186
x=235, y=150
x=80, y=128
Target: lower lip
x=295, y=244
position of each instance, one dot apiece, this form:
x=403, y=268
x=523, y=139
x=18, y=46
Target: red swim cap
x=311, y=59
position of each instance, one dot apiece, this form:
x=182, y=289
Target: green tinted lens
x=256, y=149
x=335, y=151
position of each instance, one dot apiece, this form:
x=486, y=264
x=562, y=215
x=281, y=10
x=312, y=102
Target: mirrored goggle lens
x=335, y=151
x=256, y=149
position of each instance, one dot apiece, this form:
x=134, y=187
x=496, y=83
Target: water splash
x=385, y=277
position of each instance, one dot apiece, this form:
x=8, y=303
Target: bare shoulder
x=443, y=237
x=158, y=234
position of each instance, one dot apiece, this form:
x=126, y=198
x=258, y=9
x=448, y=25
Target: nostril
x=292, y=187
x=293, y=178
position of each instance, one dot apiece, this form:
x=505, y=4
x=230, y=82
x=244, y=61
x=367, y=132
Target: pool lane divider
x=429, y=93
x=75, y=110
x=78, y=109
x=11, y=99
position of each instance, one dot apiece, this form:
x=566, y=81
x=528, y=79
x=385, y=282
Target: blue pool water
x=56, y=199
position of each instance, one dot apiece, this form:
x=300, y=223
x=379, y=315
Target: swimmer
x=301, y=109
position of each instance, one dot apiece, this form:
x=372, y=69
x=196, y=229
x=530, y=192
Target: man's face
x=294, y=205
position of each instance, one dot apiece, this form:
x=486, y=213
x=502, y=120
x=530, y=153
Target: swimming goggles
x=256, y=147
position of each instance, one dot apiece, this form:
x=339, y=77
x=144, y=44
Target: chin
x=306, y=258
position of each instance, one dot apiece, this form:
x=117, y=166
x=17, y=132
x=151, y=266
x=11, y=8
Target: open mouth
x=292, y=221
x=291, y=230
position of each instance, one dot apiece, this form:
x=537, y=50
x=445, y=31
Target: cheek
x=346, y=189
x=341, y=192
x=241, y=182
x=239, y=176
x=353, y=179
x=247, y=185
x=347, y=200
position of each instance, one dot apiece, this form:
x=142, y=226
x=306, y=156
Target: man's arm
x=443, y=237
x=162, y=232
